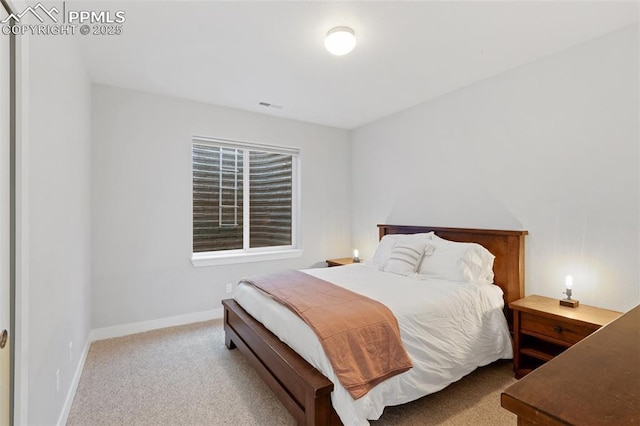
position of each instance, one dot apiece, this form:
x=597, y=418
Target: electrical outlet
x=229, y=287
x=58, y=381
x=70, y=352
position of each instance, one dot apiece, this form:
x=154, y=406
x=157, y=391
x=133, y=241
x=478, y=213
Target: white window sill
x=210, y=259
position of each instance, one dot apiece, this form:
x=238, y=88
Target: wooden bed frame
x=303, y=390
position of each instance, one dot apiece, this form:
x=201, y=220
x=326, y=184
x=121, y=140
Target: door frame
x=12, y=212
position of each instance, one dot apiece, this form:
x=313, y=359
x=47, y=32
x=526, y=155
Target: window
x=244, y=201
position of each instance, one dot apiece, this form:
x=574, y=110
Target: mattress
x=448, y=329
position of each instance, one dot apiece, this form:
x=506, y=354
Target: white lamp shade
x=568, y=281
x=340, y=40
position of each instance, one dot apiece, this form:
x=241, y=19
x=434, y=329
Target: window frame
x=247, y=254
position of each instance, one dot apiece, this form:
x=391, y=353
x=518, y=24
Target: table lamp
x=568, y=301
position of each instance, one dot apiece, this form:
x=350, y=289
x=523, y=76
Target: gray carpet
x=186, y=376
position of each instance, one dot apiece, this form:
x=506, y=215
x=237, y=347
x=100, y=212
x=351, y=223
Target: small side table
x=340, y=261
x=542, y=329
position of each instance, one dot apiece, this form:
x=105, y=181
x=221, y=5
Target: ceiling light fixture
x=340, y=40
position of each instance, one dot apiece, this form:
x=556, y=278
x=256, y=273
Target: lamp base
x=569, y=303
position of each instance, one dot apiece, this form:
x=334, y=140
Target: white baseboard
x=124, y=330
x=139, y=327
x=66, y=408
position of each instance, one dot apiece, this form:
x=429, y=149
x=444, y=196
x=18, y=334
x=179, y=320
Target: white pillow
x=405, y=257
x=383, y=251
x=466, y=262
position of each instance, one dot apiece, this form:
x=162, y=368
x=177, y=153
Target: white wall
x=551, y=147
x=141, y=202
x=58, y=220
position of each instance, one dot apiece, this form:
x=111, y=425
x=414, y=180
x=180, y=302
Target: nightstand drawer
x=554, y=328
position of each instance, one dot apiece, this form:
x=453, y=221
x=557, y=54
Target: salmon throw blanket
x=359, y=335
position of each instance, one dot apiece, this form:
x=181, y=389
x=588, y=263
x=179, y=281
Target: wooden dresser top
x=594, y=382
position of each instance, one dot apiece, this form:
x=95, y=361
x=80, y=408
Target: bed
x=302, y=388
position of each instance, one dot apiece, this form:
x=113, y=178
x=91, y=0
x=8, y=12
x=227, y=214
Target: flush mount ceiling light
x=340, y=40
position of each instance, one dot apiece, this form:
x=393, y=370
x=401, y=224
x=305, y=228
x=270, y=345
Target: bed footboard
x=302, y=389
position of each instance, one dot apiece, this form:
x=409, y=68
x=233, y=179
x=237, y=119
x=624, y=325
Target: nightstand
x=340, y=261
x=542, y=329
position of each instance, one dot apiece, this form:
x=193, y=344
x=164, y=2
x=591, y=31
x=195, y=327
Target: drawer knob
x=557, y=329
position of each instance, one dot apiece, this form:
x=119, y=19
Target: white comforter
x=448, y=329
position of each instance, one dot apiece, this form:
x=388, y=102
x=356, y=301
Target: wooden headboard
x=506, y=246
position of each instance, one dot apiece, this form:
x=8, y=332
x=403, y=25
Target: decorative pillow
x=405, y=257
x=383, y=251
x=466, y=262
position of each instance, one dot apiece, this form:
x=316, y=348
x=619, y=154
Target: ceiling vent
x=268, y=105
